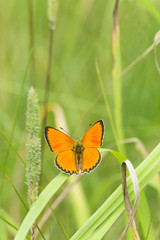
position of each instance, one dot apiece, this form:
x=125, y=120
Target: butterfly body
x=79, y=155
x=78, y=152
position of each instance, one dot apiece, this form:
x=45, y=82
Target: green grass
x=91, y=207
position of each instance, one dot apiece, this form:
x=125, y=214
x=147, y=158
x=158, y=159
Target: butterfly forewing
x=57, y=140
x=94, y=136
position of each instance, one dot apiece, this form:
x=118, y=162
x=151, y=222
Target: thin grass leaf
x=156, y=42
x=3, y=230
x=148, y=230
x=151, y=9
x=137, y=60
x=39, y=205
x=18, y=104
x=11, y=145
x=19, y=196
x=11, y=225
x=16, y=189
x=117, y=81
x=145, y=218
x=52, y=14
x=16, y=115
x=31, y=40
x=56, y=203
x=106, y=103
x=77, y=206
x=58, y=221
x=130, y=211
x=111, y=209
x=105, y=226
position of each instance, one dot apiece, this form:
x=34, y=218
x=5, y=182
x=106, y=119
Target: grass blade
x=39, y=205
x=107, y=214
x=151, y=9
x=117, y=81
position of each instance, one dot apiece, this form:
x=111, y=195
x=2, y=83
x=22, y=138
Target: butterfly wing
x=57, y=140
x=94, y=136
x=91, y=158
x=65, y=160
x=92, y=140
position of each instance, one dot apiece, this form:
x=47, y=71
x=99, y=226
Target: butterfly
x=76, y=156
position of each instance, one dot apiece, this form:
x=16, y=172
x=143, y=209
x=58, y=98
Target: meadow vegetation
x=80, y=75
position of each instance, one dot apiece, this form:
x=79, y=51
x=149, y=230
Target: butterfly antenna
x=86, y=130
x=67, y=132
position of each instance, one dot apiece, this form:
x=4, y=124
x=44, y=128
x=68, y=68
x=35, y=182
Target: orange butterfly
x=76, y=156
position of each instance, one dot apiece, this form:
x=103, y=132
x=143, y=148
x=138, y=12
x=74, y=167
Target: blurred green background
x=83, y=34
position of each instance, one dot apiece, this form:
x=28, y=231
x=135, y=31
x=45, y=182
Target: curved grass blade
x=39, y=205
x=131, y=212
x=102, y=220
x=120, y=157
x=156, y=42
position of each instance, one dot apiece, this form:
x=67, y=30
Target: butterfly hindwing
x=91, y=158
x=57, y=140
x=94, y=136
x=65, y=160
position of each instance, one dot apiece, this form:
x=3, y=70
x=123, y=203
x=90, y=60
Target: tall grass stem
x=33, y=150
